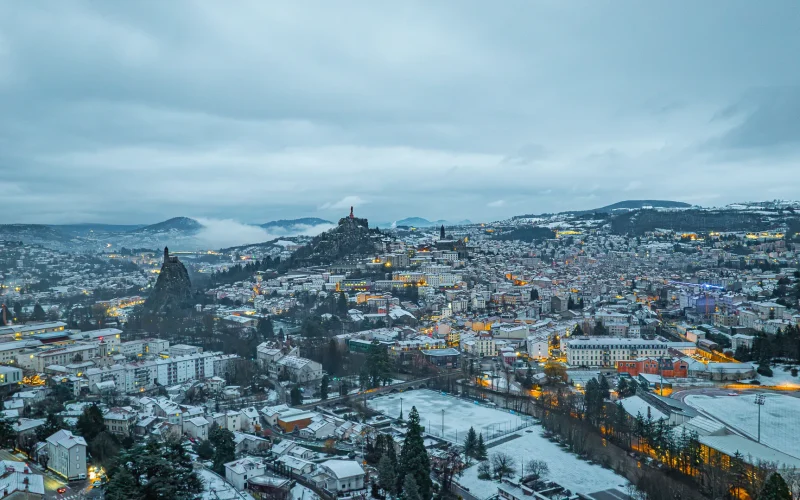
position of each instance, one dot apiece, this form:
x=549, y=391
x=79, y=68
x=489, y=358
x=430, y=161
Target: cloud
x=230, y=123
x=496, y=204
x=344, y=204
x=633, y=185
x=224, y=233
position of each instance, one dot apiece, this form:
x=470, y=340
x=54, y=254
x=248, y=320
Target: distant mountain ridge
x=422, y=222
x=620, y=205
x=183, y=224
x=289, y=223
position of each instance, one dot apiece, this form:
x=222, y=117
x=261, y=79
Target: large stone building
x=606, y=351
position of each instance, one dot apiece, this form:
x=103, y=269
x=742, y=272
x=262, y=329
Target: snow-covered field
x=459, y=414
x=565, y=469
x=779, y=417
x=780, y=377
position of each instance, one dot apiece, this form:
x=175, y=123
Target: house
x=240, y=471
x=283, y=447
x=274, y=488
x=301, y=452
x=196, y=427
x=250, y=419
x=18, y=481
x=67, y=454
x=26, y=428
x=272, y=413
x=232, y=421
x=345, y=475
x=246, y=443
x=318, y=429
x=299, y=370
x=168, y=410
x=293, y=465
x=120, y=421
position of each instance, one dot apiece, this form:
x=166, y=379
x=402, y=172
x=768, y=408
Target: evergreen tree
x=775, y=488
x=414, y=460
x=266, y=329
x=205, y=450
x=90, y=423
x=577, y=331
x=529, y=378
x=323, y=388
x=480, y=449
x=224, y=448
x=122, y=486
x=154, y=470
x=600, y=329
x=295, y=397
x=604, y=387
x=8, y=436
x=386, y=476
x=38, y=313
x=470, y=443
x=341, y=305
x=411, y=490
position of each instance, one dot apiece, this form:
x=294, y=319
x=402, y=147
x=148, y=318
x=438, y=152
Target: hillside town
x=503, y=361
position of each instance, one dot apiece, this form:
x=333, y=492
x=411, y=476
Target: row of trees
x=783, y=345
x=583, y=420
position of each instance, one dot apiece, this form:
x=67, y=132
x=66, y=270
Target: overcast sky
x=133, y=112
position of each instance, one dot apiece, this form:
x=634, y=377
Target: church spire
x=441, y=232
x=166, y=255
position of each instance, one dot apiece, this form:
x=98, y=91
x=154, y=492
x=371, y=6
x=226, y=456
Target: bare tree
x=450, y=465
x=503, y=465
x=537, y=468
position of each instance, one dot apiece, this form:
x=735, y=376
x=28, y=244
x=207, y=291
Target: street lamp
x=760, y=399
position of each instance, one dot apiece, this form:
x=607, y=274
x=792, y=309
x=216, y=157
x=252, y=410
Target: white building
x=67, y=455
x=606, y=351
x=10, y=375
x=196, y=427
x=538, y=347
x=239, y=471
x=345, y=475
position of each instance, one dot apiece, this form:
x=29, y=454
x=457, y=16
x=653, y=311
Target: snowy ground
x=779, y=417
x=459, y=414
x=300, y=492
x=565, y=469
x=780, y=377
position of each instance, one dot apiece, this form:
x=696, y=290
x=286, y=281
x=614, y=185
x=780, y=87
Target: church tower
x=441, y=232
x=166, y=255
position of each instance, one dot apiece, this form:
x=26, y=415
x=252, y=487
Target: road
x=51, y=482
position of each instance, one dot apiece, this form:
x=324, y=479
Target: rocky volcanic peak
x=351, y=236
x=173, y=289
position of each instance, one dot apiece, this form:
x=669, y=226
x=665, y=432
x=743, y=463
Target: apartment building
x=67, y=455
x=607, y=351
